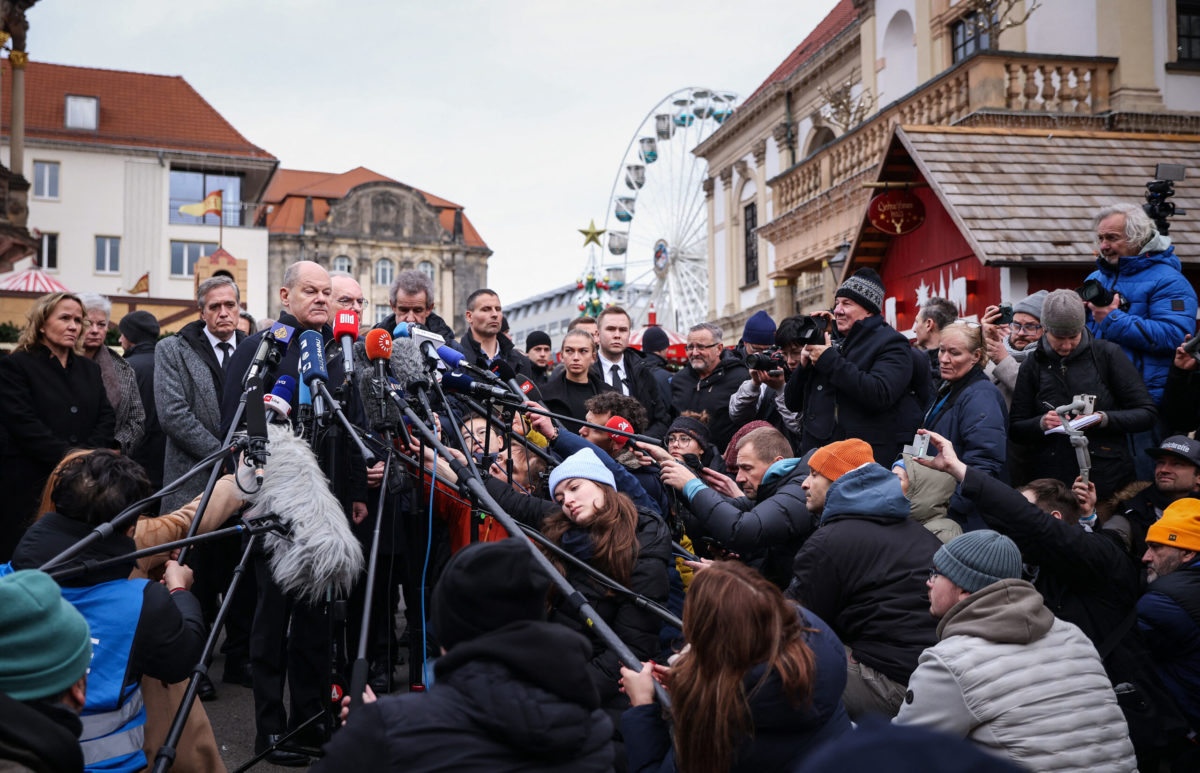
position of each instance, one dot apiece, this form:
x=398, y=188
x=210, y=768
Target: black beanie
x=536, y=338
x=865, y=288
x=486, y=586
x=139, y=326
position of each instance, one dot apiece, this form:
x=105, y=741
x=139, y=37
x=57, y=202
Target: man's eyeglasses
x=699, y=347
x=348, y=301
x=1017, y=327
x=933, y=574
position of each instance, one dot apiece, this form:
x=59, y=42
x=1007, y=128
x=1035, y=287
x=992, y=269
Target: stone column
x=16, y=158
x=759, y=151
x=727, y=293
x=711, y=240
x=786, y=148
x=785, y=298
x=1129, y=36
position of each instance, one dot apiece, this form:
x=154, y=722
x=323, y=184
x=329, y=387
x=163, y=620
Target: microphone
x=519, y=384
x=379, y=351
x=280, y=400
x=270, y=349
x=256, y=428
x=345, y=330
x=621, y=424
x=464, y=384
x=312, y=358
x=319, y=548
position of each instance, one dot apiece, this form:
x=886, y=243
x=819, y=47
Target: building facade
x=372, y=227
x=110, y=156
x=826, y=116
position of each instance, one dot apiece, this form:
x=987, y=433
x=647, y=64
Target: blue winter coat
x=1162, y=309
x=1168, y=618
x=974, y=418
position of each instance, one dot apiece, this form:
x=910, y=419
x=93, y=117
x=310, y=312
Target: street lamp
x=836, y=263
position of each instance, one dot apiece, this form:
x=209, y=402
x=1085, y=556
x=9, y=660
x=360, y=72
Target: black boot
x=280, y=757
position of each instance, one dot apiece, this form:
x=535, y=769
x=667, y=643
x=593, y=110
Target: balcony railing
x=996, y=80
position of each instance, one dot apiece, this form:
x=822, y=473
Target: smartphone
x=1006, y=314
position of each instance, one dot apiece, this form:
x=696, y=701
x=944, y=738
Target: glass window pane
x=50, y=251
x=177, y=258
x=82, y=112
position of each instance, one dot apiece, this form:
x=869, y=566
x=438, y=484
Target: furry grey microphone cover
x=364, y=376
x=321, y=548
x=408, y=363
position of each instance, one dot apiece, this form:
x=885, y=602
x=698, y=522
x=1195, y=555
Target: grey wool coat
x=187, y=392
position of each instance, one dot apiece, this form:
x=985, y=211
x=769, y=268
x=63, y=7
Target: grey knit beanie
x=581, y=464
x=1032, y=305
x=1062, y=313
x=865, y=288
x=977, y=559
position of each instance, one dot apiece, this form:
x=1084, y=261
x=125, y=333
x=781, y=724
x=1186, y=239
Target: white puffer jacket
x=1011, y=677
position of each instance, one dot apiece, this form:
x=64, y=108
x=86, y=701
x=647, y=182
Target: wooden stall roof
x=1028, y=195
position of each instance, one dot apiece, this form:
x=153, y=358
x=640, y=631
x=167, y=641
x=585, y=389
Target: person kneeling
x=1006, y=672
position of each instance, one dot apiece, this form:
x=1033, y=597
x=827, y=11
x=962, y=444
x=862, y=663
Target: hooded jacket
x=929, y=493
x=1011, y=677
x=1162, y=309
x=515, y=699
x=864, y=570
x=771, y=527
x=784, y=732
x=711, y=394
x=1094, y=368
x=865, y=387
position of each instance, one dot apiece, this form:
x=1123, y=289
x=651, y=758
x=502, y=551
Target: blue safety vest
x=113, y=717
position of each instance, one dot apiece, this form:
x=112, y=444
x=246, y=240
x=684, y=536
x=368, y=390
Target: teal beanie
x=45, y=644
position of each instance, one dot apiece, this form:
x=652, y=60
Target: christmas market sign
x=896, y=212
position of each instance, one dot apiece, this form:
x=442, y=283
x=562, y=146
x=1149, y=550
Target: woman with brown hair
x=51, y=400
x=758, y=686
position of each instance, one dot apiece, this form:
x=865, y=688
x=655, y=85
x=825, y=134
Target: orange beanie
x=836, y=459
x=1179, y=526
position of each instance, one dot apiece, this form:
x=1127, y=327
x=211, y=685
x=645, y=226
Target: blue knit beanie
x=759, y=330
x=46, y=643
x=581, y=464
x=977, y=559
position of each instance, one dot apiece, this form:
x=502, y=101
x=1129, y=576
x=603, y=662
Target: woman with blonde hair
x=758, y=686
x=968, y=409
x=51, y=400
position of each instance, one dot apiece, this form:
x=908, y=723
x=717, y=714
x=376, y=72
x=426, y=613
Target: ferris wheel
x=657, y=217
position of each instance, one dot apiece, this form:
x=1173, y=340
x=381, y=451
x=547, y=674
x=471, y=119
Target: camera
x=1158, y=191
x=693, y=463
x=811, y=330
x=1006, y=314
x=1097, y=294
x=771, y=359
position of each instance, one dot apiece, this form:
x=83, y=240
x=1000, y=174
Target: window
x=185, y=254
x=82, y=113
x=750, y=222
x=48, y=255
x=967, y=36
x=194, y=187
x=382, y=311
x=108, y=254
x=426, y=268
x=1187, y=30
x=341, y=263
x=45, y=179
x=384, y=272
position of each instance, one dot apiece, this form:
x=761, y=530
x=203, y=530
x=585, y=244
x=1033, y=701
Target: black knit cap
x=865, y=288
x=139, y=326
x=486, y=586
x=536, y=338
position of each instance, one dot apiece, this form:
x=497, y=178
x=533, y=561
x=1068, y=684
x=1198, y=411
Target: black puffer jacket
x=39, y=736
x=866, y=387
x=689, y=392
x=632, y=624
x=1097, y=368
x=768, y=530
x=514, y=699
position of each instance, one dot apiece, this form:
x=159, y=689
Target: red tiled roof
x=842, y=16
x=290, y=188
x=139, y=109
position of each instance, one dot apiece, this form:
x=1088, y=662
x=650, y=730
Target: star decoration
x=591, y=234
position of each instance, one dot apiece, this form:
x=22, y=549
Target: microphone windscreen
x=407, y=363
x=403, y=330
x=312, y=357
x=319, y=549
x=281, y=334
x=345, y=323
x=457, y=382
x=304, y=394
x=378, y=345
x=451, y=357
x=621, y=424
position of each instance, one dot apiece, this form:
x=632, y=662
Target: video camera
x=1158, y=191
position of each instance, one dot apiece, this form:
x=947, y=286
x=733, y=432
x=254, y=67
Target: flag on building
x=142, y=285
x=211, y=204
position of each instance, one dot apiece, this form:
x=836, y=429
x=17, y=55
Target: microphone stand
x=358, y=671
x=368, y=457
x=574, y=601
x=524, y=406
x=166, y=753
x=493, y=421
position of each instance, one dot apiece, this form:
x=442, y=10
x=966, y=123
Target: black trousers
x=291, y=639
